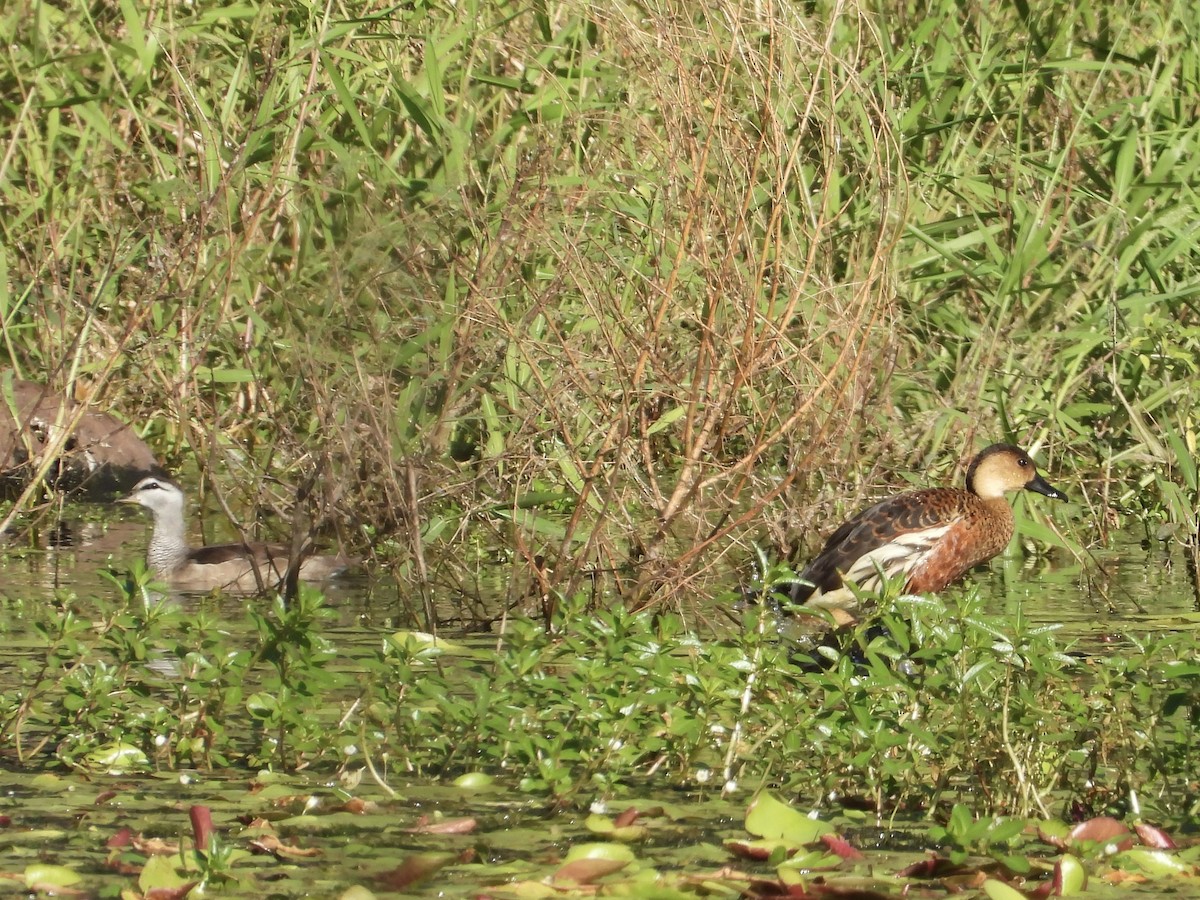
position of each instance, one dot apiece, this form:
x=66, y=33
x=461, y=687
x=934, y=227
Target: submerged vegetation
x=614, y=304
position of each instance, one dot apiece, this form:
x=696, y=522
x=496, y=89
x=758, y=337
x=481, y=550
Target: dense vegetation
x=929, y=704
x=618, y=288
x=603, y=298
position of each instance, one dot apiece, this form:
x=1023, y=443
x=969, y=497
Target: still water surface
x=1137, y=584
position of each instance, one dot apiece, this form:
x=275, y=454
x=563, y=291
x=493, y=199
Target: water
x=1133, y=585
x=1136, y=583
x=71, y=554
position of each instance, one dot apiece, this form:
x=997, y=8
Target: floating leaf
x=416, y=867
x=159, y=873
x=998, y=890
x=47, y=878
x=598, y=824
x=586, y=863
x=422, y=643
x=474, y=781
x=49, y=782
x=464, y=825
x=118, y=757
x=760, y=850
x=271, y=844
x=617, y=852
x=1070, y=877
x=770, y=818
x=1054, y=832
x=1154, y=863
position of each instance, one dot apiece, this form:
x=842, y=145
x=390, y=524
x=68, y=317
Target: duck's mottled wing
x=891, y=536
x=221, y=554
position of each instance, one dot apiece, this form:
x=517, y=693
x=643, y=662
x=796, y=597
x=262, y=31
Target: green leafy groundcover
x=925, y=704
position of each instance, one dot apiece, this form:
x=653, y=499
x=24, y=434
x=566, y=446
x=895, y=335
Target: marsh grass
x=617, y=291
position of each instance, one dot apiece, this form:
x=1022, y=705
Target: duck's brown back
x=935, y=535
x=249, y=567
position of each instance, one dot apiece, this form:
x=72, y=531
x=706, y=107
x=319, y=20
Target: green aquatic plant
x=922, y=705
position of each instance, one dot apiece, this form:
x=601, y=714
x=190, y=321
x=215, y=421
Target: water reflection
x=70, y=556
x=1135, y=584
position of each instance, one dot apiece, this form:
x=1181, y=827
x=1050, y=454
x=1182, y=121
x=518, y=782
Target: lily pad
x=770, y=818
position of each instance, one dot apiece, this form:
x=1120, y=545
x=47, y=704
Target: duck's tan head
x=1003, y=468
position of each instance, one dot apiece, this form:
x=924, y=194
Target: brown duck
x=933, y=536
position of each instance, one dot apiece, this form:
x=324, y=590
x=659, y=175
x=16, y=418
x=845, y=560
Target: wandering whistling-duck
x=232, y=567
x=933, y=535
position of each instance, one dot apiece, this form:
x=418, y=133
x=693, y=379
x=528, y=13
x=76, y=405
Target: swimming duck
x=933, y=535
x=231, y=567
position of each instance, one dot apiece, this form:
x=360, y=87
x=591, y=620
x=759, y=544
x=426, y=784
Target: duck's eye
x=1023, y=461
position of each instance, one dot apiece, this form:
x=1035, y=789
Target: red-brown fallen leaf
x=359, y=806
x=1153, y=836
x=154, y=846
x=104, y=796
x=1104, y=830
x=585, y=871
x=269, y=843
x=840, y=846
x=122, y=838
x=120, y=867
x=628, y=817
x=202, y=827
x=162, y=893
x=464, y=825
x=934, y=867
x=419, y=866
x=5, y=821
x=1120, y=876
x=752, y=849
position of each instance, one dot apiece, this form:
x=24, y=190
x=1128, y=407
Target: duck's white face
x=156, y=494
